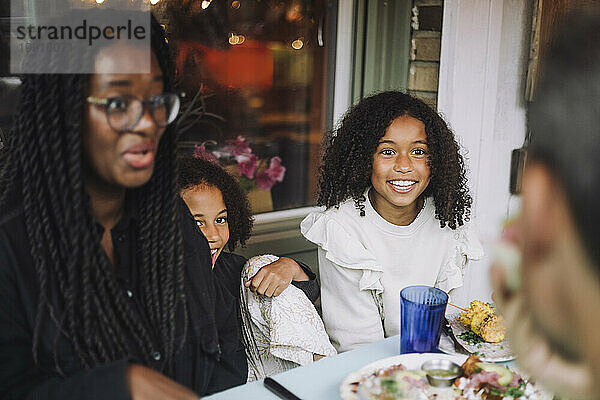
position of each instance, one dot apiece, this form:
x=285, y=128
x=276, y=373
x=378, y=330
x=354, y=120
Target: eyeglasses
x=123, y=113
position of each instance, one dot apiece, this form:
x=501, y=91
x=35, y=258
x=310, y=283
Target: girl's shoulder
x=464, y=246
x=346, y=215
x=230, y=260
x=229, y=266
x=341, y=224
x=339, y=232
x=465, y=240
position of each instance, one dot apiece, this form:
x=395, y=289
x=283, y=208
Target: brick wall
x=426, y=33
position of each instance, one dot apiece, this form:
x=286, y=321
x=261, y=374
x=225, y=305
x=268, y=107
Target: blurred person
x=106, y=290
x=551, y=306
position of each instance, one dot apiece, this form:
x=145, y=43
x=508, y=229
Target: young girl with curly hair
x=281, y=328
x=394, y=188
x=222, y=212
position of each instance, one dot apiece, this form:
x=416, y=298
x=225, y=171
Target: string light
x=236, y=39
x=298, y=44
x=233, y=39
x=294, y=13
x=256, y=102
x=205, y=4
x=235, y=4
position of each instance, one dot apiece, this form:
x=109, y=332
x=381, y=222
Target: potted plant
x=256, y=175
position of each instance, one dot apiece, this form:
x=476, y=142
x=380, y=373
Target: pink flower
x=238, y=141
x=247, y=162
x=247, y=165
x=276, y=171
x=238, y=146
x=200, y=152
x=264, y=180
x=244, y=158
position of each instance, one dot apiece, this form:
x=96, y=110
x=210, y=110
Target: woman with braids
x=394, y=187
x=106, y=284
x=274, y=340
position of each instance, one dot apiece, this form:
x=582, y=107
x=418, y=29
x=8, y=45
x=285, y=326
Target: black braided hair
x=42, y=170
x=198, y=172
x=348, y=160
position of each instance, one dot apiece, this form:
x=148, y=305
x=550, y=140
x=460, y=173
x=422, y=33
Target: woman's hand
x=147, y=384
x=272, y=279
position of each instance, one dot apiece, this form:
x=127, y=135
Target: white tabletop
x=319, y=380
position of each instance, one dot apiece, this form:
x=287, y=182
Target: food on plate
x=482, y=319
x=392, y=383
x=489, y=381
x=473, y=343
x=479, y=381
x=471, y=337
x=441, y=373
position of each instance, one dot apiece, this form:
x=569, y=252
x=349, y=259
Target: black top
x=211, y=360
x=228, y=271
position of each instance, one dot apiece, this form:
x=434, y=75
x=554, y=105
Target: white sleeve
x=466, y=247
x=350, y=282
x=350, y=314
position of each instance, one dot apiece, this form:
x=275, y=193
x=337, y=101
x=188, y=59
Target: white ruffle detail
x=343, y=249
x=467, y=247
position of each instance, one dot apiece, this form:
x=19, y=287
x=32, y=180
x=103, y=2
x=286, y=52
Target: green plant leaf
x=247, y=184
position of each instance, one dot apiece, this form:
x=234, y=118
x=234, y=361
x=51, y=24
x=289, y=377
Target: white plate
x=492, y=352
x=410, y=361
x=414, y=361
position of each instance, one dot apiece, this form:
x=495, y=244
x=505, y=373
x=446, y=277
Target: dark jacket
x=228, y=271
x=212, y=358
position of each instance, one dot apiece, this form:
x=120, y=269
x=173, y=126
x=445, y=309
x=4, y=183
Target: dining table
x=318, y=380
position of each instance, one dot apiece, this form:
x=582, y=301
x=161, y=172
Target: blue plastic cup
x=422, y=310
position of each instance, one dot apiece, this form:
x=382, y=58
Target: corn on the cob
x=482, y=320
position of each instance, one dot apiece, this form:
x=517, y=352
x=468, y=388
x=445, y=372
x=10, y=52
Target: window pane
x=261, y=70
x=397, y=47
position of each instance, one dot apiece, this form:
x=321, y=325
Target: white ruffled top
x=364, y=262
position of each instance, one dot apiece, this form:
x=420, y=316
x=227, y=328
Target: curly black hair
x=89, y=307
x=199, y=172
x=348, y=160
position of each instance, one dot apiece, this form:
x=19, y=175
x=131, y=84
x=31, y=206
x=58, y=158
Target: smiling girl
x=394, y=187
x=222, y=212
x=279, y=334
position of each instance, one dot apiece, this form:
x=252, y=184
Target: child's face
x=208, y=208
x=400, y=170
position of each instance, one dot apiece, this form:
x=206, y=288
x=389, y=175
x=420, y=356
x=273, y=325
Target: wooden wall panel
x=547, y=17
